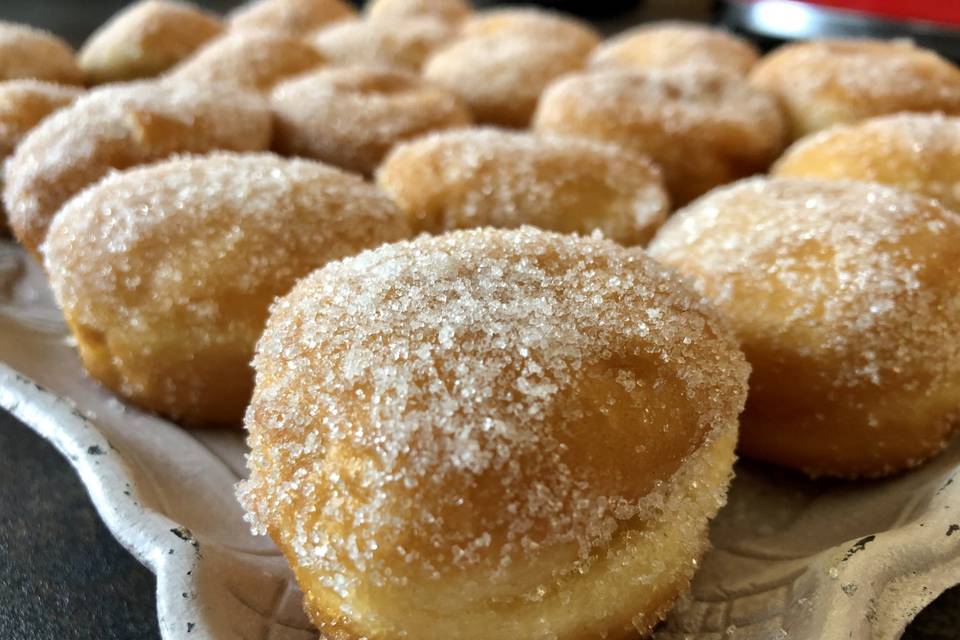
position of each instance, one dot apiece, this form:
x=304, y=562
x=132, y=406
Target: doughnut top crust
x=466, y=401
x=145, y=39
x=827, y=82
x=703, y=127
x=24, y=103
x=405, y=43
x=351, y=116
x=549, y=25
x=664, y=45
x=293, y=17
x=116, y=127
x=253, y=60
x=919, y=152
x=870, y=261
x=26, y=52
x=450, y=11
x=174, y=265
x=485, y=176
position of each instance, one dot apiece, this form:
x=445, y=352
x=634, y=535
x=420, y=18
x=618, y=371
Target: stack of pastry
x=405, y=248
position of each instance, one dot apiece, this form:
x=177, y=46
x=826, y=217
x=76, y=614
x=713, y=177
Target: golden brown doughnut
x=24, y=103
x=846, y=299
x=293, y=17
x=918, y=152
x=505, y=59
x=829, y=82
x=490, y=177
x=116, y=127
x=145, y=39
x=254, y=60
x=703, y=127
x=165, y=272
x=26, y=52
x=551, y=25
x=351, y=116
x=491, y=434
x=665, y=45
x=404, y=43
x=449, y=11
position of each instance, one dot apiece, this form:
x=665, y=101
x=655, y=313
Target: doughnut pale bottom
x=624, y=593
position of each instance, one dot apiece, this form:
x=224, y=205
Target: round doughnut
x=252, y=60
x=145, y=39
x=918, y=152
x=829, y=82
x=846, y=300
x=702, y=126
x=491, y=434
x=24, y=103
x=293, y=17
x=165, y=273
x=449, y=11
x=116, y=127
x=550, y=25
x=497, y=178
x=404, y=43
x=351, y=116
x=665, y=45
x=26, y=52
x=506, y=59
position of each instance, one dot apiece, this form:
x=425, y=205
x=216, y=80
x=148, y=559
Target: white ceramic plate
x=792, y=558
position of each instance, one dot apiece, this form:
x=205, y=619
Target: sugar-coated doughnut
x=846, y=299
x=703, y=127
x=449, y=11
x=116, y=127
x=828, y=82
x=505, y=59
x=405, y=43
x=294, y=17
x=918, y=152
x=145, y=39
x=490, y=177
x=165, y=272
x=253, y=60
x=665, y=45
x=26, y=52
x=24, y=103
x=532, y=21
x=491, y=434
x=351, y=116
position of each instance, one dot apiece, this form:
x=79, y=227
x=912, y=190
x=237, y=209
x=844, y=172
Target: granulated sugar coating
x=702, y=126
x=145, y=39
x=551, y=25
x=252, y=60
x=829, y=82
x=120, y=126
x=846, y=298
x=450, y=11
x=491, y=177
x=293, y=17
x=491, y=433
x=26, y=52
x=24, y=103
x=665, y=45
x=918, y=152
x=352, y=116
x=165, y=272
x=404, y=43
x=505, y=59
